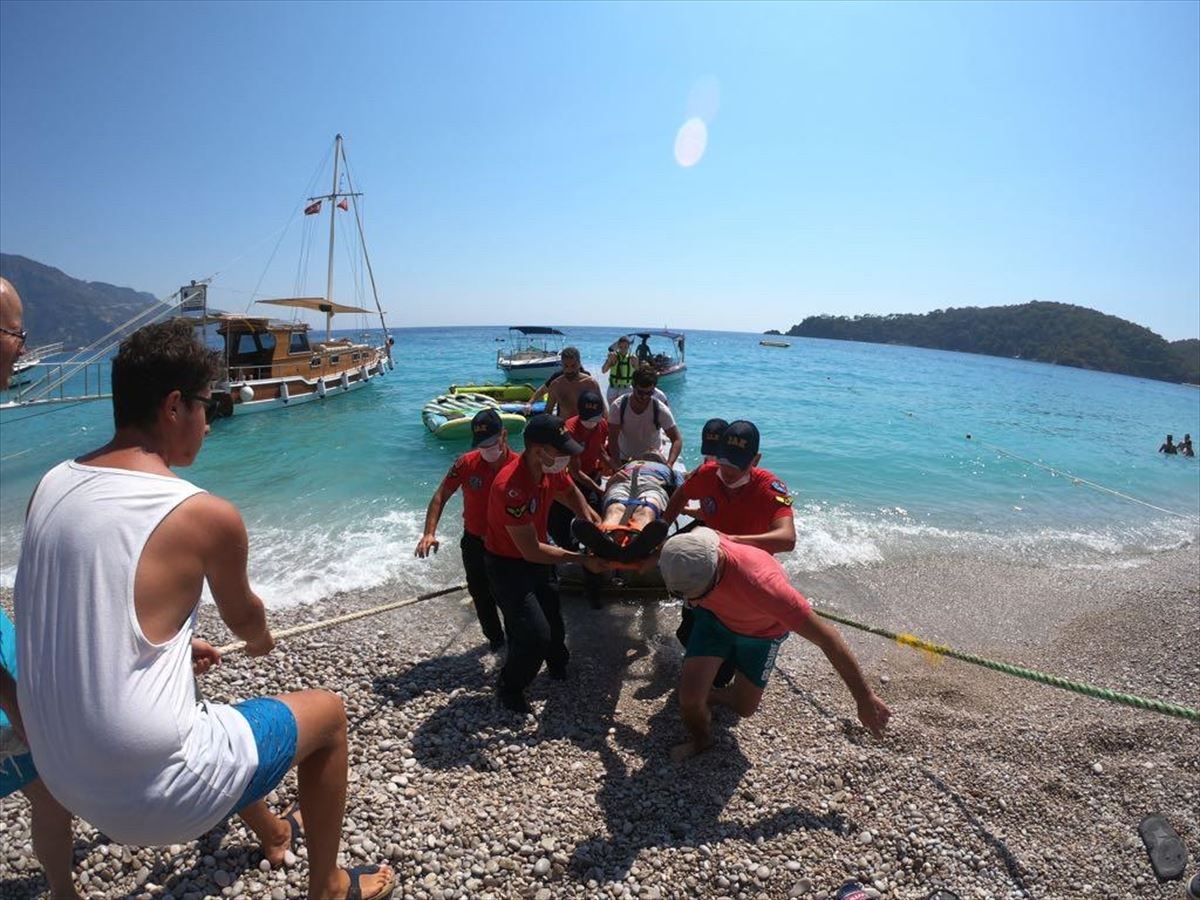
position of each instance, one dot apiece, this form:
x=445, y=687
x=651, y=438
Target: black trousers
x=479, y=588
x=528, y=597
x=558, y=526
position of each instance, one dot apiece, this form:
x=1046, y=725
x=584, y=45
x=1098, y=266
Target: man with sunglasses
x=51, y=824
x=474, y=472
x=638, y=421
x=107, y=688
x=745, y=608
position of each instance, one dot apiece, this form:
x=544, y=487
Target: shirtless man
x=563, y=388
x=745, y=608
x=106, y=687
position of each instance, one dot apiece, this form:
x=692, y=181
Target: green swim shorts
x=754, y=657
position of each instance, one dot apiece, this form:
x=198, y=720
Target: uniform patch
x=453, y=470
x=709, y=505
x=785, y=500
x=533, y=505
x=475, y=482
x=779, y=486
x=516, y=512
x=514, y=492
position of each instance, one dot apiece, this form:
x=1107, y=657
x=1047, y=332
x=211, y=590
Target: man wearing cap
x=590, y=429
x=745, y=608
x=638, y=421
x=562, y=389
x=621, y=365
x=520, y=561
x=474, y=472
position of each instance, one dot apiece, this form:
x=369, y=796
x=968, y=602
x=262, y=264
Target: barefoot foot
x=688, y=749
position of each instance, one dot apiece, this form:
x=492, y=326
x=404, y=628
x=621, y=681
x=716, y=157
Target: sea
x=891, y=453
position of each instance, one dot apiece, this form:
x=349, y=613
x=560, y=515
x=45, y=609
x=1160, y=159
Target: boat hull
x=535, y=370
x=269, y=394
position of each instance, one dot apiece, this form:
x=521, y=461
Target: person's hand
x=592, y=515
x=874, y=715
x=428, y=544
x=204, y=656
x=261, y=646
x=695, y=511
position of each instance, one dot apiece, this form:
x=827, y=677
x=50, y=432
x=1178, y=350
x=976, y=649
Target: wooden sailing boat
x=270, y=364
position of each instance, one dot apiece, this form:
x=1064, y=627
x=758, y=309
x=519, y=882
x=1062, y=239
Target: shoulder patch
x=785, y=499
x=475, y=482
x=514, y=492
x=779, y=486
x=533, y=505
x=515, y=511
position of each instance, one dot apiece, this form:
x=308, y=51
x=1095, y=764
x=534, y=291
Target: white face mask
x=733, y=485
x=560, y=463
x=589, y=424
x=708, y=459
x=491, y=454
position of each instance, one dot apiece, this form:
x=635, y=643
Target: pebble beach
x=984, y=784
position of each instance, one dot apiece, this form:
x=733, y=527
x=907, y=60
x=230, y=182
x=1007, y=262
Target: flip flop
x=1168, y=856
x=645, y=541
x=355, y=891
x=297, y=828
x=596, y=540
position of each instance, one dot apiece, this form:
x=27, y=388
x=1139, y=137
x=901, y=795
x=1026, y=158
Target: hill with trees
x=1047, y=332
x=58, y=307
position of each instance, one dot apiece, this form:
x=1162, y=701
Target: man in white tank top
x=116, y=551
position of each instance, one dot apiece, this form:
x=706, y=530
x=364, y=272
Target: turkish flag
x=313, y=208
x=343, y=204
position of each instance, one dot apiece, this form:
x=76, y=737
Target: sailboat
x=270, y=364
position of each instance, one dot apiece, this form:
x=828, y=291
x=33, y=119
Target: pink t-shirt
x=754, y=597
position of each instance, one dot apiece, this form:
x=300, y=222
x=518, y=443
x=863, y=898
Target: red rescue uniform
x=594, y=441
x=515, y=500
x=474, y=475
x=751, y=509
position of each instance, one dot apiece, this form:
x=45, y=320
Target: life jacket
x=621, y=374
x=623, y=402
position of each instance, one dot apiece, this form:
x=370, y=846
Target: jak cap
x=688, y=562
x=739, y=444
x=710, y=436
x=484, y=426
x=547, y=429
x=590, y=405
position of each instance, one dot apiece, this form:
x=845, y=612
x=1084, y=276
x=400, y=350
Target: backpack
x=624, y=402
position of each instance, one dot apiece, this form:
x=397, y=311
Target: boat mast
x=337, y=149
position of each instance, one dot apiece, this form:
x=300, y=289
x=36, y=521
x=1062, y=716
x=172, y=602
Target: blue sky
x=519, y=160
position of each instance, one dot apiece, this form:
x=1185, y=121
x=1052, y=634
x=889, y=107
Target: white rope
x=1075, y=479
x=348, y=617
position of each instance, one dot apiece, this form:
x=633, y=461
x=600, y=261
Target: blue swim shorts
x=15, y=773
x=274, y=728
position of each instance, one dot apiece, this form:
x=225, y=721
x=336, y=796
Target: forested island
x=1043, y=331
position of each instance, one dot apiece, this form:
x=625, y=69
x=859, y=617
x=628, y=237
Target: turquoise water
x=870, y=438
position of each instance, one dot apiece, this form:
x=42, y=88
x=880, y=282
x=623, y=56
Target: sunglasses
x=211, y=405
x=19, y=335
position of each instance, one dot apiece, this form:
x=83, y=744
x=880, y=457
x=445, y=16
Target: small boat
x=784, y=344
x=533, y=353
x=448, y=416
x=666, y=357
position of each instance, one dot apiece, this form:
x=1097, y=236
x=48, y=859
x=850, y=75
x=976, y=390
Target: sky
x=732, y=167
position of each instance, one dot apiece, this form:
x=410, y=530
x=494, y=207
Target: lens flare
x=691, y=142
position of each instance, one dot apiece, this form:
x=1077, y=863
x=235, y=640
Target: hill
x=61, y=308
x=1048, y=332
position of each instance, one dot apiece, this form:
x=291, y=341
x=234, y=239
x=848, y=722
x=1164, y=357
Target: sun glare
x=691, y=142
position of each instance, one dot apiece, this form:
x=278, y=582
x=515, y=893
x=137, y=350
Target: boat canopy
x=317, y=304
x=673, y=335
x=536, y=329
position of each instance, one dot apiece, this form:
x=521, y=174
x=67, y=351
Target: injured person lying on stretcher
x=634, y=500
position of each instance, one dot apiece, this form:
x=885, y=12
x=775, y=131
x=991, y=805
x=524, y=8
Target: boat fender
x=391, y=363
x=283, y=393
x=364, y=374
x=246, y=393
x=345, y=381
x=321, y=388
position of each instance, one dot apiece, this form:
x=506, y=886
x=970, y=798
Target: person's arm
x=433, y=515
x=676, y=438
x=675, y=505
x=779, y=538
x=526, y=539
x=580, y=477
x=872, y=711
x=225, y=568
x=609, y=362
x=614, y=445
x=572, y=498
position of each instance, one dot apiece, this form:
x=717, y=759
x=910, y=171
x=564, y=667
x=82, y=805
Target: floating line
x=1078, y=687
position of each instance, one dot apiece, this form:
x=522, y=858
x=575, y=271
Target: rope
x=1077, y=480
x=1078, y=687
x=348, y=617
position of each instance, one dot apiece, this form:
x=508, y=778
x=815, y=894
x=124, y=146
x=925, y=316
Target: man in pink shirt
x=745, y=607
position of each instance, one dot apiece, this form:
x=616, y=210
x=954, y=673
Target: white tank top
x=112, y=719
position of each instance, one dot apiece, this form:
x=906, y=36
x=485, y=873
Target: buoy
x=283, y=393
x=364, y=373
x=246, y=393
x=321, y=388
x=345, y=381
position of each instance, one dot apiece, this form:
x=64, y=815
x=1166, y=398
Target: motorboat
x=533, y=353
x=665, y=356
x=783, y=344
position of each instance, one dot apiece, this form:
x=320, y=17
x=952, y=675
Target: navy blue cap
x=590, y=405
x=547, y=429
x=484, y=426
x=710, y=436
x=739, y=444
